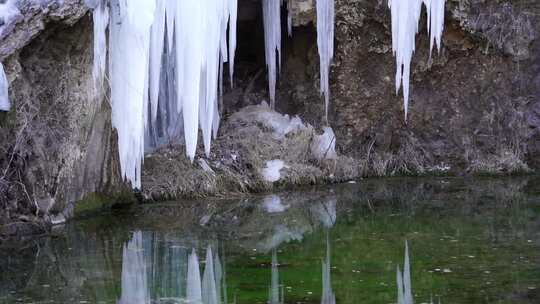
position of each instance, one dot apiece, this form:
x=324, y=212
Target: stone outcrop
x=58, y=141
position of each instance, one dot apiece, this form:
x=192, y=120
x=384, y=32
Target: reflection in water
x=482, y=227
x=276, y=293
x=134, y=280
x=328, y=296
x=325, y=212
x=404, y=280
x=272, y=204
x=194, y=290
x=210, y=295
x=152, y=272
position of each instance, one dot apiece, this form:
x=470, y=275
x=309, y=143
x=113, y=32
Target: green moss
x=97, y=202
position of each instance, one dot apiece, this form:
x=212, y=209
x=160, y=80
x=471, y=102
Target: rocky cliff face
x=475, y=106
x=58, y=140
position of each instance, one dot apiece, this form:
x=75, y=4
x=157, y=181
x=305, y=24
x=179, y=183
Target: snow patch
x=271, y=173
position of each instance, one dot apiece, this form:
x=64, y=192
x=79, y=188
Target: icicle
x=143, y=88
x=325, y=43
x=170, y=16
x=101, y=22
x=233, y=13
x=157, y=42
x=289, y=18
x=435, y=11
x=4, y=90
x=272, y=38
x=405, y=17
x=129, y=48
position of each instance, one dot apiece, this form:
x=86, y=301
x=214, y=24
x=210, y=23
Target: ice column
x=4, y=87
x=272, y=42
x=101, y=22
x=129, y=56
x=325, y=43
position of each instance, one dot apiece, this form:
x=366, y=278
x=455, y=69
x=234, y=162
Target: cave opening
x=251, y=73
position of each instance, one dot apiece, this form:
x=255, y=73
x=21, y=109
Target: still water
x=444, y=240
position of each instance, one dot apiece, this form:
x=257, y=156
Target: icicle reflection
x=404, y=280
x=134, y=280
x=155, y=271
x=328, y=296
x=276, y=292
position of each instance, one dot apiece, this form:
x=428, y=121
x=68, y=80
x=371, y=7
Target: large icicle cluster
x=405, y=18
x=164, y=65
x=325, y=43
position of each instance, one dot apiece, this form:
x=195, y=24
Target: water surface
x=469, y=241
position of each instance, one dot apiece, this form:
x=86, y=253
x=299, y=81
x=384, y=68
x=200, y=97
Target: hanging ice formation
x=4, y=94
x=405, y=18
x=289, y=18
x=164, y=64
x=272, y=43
x=325, y=43
x=101, y=22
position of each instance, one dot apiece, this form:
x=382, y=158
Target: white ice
x=101, y=22
x=5, y=105
x=325, y=43
x=128, y=68
x=405, y=18
x=272, y=39
x=324, y=146
x=183, y=92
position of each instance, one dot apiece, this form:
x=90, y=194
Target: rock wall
x=58, y=139
x=474, y=106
